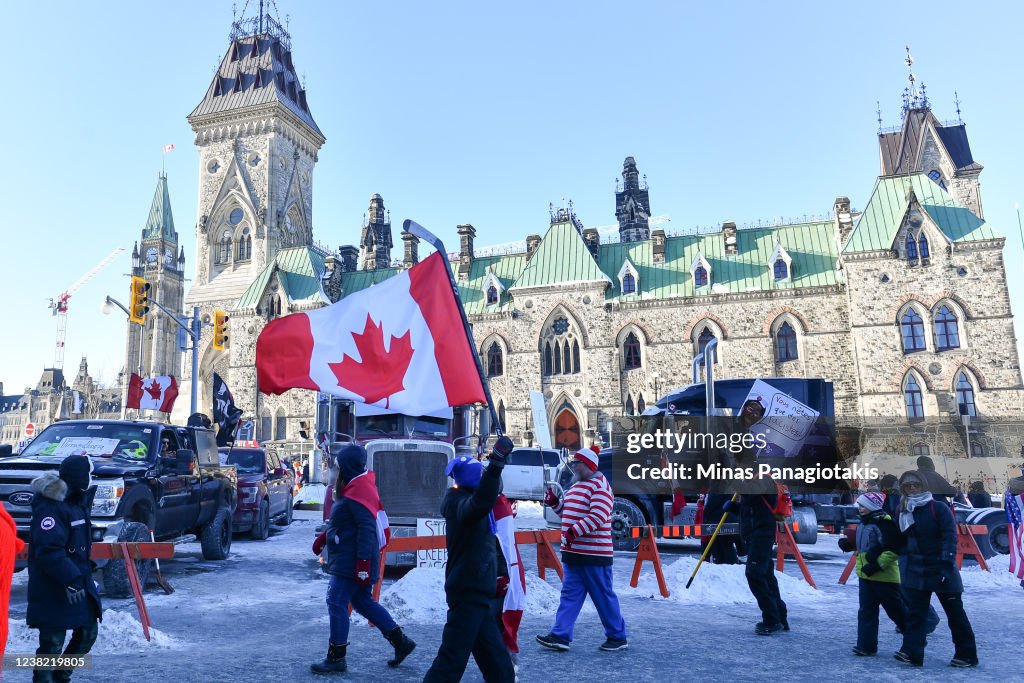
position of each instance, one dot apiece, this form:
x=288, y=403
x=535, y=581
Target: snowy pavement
x=260, y=616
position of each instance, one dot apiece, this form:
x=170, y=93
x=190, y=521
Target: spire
x=632, y=204
x=160, y=224
x=912, y=97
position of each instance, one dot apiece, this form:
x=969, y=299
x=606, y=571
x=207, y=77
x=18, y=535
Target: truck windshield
x=248, y=462
x=403, y=427
x=97, y=440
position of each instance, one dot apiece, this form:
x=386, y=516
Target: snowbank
x=528, y=510
x=120, y=632
x=716, y=584
x=999, y=578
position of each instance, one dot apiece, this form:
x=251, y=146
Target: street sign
x=30, y=429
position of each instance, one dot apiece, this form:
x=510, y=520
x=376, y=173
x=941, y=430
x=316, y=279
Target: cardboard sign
x=437, y=557
x=541, y=428
x=86, y=445
x=786, y=421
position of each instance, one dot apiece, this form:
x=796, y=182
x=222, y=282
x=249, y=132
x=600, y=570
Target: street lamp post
x=193, y=330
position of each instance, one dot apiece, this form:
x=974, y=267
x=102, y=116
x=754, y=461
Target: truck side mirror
x=184, y=461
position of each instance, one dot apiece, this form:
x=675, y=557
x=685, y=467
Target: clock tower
x=153, y=347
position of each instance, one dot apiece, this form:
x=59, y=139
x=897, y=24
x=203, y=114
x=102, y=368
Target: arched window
x=495, y=364
x=781, y=269
x=575, y=356
x=559, y=345
x=700, y=277
x=224, y=253
x=912, y=329
x=640, y=405
x=501, y=416
x=266, y=425
x=977, y=450
x=706, y=335
x=245, y=246
x=631, y=352
x=965, y=395
x=566, y=358
x=628, y=284
x=558, y=358
x=548, y=367
x=629, y=405
x=947, y=334
x=913, y=398
x=492, y=295
x=923, y=250
x=911, y=249
x=785, y=343
x=921, y=448
x=281, y=429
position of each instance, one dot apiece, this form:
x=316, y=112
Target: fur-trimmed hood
x=50, y=485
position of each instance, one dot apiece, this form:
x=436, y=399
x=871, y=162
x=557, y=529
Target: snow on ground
x=530, y=515
x=119, y=632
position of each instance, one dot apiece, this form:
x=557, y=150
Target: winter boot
x=334, y=663
x=402, y=643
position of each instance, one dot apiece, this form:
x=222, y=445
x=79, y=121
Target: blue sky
x=470, y=112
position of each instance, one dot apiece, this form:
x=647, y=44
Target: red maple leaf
x=379, y=374
x=153, y=389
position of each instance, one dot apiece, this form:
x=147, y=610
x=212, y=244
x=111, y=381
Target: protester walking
x=978, y=496
x=471, y=573
x=929, y=531
x=62, y=595
x=877, y=545
x=355, y=534
x=587, y=554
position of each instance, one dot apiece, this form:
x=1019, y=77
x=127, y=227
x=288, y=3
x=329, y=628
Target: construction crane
x=59, y=306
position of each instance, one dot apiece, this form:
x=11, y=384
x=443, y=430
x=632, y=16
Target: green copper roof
x=880, y=222
x=160, y=224
x=354, y=281
x=561, y=257
x=298, y=270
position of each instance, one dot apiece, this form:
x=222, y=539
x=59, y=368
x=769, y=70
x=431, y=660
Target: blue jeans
x=340, y=592
x=595, y=581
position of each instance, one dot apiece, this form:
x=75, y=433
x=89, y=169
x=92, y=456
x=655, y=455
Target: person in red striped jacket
x=587, y=553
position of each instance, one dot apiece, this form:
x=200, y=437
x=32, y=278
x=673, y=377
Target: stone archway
x=567, y=431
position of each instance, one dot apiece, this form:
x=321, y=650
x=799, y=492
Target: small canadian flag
x=168, y=148
x=152, y=393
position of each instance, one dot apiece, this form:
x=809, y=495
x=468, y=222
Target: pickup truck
x=148, y=477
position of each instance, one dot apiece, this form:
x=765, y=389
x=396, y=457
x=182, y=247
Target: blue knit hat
x=465, y=471
x=351, y=461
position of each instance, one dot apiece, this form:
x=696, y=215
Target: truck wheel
x=261, y=527
x=625, y=516
x=115, y=574
x=289, y=510
x=997, y=540
x=215, y=537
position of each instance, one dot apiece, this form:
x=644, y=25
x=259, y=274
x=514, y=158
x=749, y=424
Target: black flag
x=225, y=413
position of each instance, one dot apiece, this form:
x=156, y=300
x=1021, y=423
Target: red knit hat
x=588, y=456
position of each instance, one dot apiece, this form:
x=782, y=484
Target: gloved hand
x=871, y=568
x=319, y=543
x=731, y=506
x=499, y=454
x=570, y=535
x=363, y=572
x=845, y=545
x=75, y=595
x=550, y=498
x=502, y=587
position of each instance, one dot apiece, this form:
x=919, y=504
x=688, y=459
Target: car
x=264, y=490
x=528, y=471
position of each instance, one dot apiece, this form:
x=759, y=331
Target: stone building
x=903, y=305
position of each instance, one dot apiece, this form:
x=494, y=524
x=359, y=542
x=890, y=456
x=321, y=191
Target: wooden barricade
x=648, y=551
x=787, y=546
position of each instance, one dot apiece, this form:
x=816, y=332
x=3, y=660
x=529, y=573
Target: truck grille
x=411, y=483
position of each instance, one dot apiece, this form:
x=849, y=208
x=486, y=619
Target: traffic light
x=139, y=300
x=220, y=330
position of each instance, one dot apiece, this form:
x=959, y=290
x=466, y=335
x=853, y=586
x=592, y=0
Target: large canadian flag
x=400, y=345
x=152, y=393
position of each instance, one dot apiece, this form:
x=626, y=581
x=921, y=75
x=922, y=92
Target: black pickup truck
x=148, y=476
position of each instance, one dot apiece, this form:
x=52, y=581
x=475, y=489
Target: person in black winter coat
x=61, y=593
x=978, y=496
x=929, y=532
x=353, y=543
x=471, y=573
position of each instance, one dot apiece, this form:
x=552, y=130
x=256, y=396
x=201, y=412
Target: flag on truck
x=398, y=344
x=225, y=413
x=152, y=393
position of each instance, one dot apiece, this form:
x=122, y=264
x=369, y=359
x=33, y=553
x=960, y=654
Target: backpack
x=783, y=502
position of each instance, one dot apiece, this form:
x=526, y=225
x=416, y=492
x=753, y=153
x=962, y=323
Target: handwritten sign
x=85, y=445
x=435, y=557
x=786, y=421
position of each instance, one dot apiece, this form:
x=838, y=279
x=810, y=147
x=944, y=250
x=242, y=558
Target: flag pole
x=418, y=230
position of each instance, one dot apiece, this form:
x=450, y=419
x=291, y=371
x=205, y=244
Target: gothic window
x=628, y=284
x=965, y=395
x=706, y=335
x=567, y=358
x=913, y=398
x=912, y=329
x=235, y=217
x=495, y=365
x=631, y=352
x=549, y=369
x=575, y=356
x=922, y=249
x=629, y=405
x=224, y=252
x=947, y=335
x=266, y=424
x=911, y=245
x=560, y=348
x=921, y=448
x=492, y=295
x=281, y=428
x=977, y=450
x=781, y=269
x=501, y=416
x=700, y=277
x=245, y=246
x=640, y=405
x=558, y=358
x=785, y=343
x=560, y=326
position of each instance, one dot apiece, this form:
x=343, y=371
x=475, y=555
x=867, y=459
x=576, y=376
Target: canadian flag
x=152, y=393
x=515, y=598
x=399, y=344
x=168, y=148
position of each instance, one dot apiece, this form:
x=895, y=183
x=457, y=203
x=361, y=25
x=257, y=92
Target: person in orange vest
x=10, y=546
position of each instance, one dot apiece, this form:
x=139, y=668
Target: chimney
x=411, y=249
x=331, y=279
x=729, y=237
x=658, y=237
x=466, y=234
x=844, y=220
x=532, y=242
x=593, y=241
x=349, y=258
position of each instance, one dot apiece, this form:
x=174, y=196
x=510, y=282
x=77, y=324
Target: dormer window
x=628, y=284
x=492, y=288
x=700, y=269
x=629, y=278
x=492, y=295
x=700, y=277
x=781, y=270
x=936, y=177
